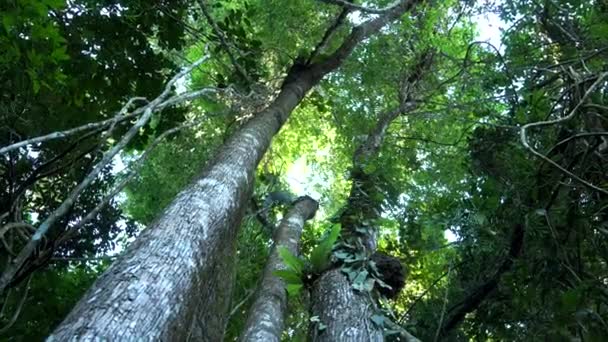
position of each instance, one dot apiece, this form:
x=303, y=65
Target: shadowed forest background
x=259, y=170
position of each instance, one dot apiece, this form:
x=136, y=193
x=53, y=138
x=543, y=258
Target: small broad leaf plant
x=360, y=269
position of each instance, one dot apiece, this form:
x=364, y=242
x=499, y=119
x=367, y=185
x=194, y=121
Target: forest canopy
x=304, y=170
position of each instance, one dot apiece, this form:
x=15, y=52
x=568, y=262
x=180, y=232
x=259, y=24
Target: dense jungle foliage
x=492, y=190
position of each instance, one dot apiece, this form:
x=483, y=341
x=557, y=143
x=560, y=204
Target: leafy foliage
x=320, y=255
x=525, y=258
x=302, y=272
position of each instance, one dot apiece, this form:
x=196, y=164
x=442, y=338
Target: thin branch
x=430, y=141
x=407, y=336
x=328, y=34
x=133, y=169
x=18, y=310
x=524, y=138
x=476, y=297
x=355, y=7
x=224, y=41
x=593, y=105
x=148, y=110
x=120, y=117
x=261, y=215
x=5, y=303
x=508, y=73
x=195, y=32
x=38, y=173
x=239, y=304
x=188, y=96
x=577, y=136
x=445, y=304
x=11, y=225
x=422, y=295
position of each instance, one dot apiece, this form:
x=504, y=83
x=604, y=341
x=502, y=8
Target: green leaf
x=8, y=21
x=55, y=4
x=368, y=285
x=320, y=256
x=369, y=168
x=480, y=219
x=350, y=272
x=60, y=54
x=353, y=258
x=361, y=283
x=320, y=325
x=362, y=229
x=36, y=86
x=341, y=255
x=294, y=289
x=291, y=261
x=290, y=277
x=570, y=300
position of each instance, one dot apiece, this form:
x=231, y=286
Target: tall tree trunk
x=344, y=312
x=267, y=314
x=173, y=282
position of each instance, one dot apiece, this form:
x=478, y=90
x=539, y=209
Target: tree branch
x=19, y=307
x=107, y=257
x=572, y=114
x=120, y=117
x=224, y=42
x=328, y=34
x=577, y=136
x=133, y=168
x=362, y=31
x=149, y=109
x=240, y=304
x=355, y=7
x=445, y=303
x=37, y=174
x=476, y=297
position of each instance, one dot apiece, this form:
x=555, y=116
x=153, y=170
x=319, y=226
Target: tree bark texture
x=267, y=314
x=173, y=282
x=344, y=312
x=347, y=313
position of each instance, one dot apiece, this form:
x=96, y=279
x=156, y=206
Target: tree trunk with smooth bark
x=267, y=314
x=173, y=282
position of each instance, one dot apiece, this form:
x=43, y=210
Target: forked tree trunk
x=343, y=312
x=173, y=282
x=267, y=314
